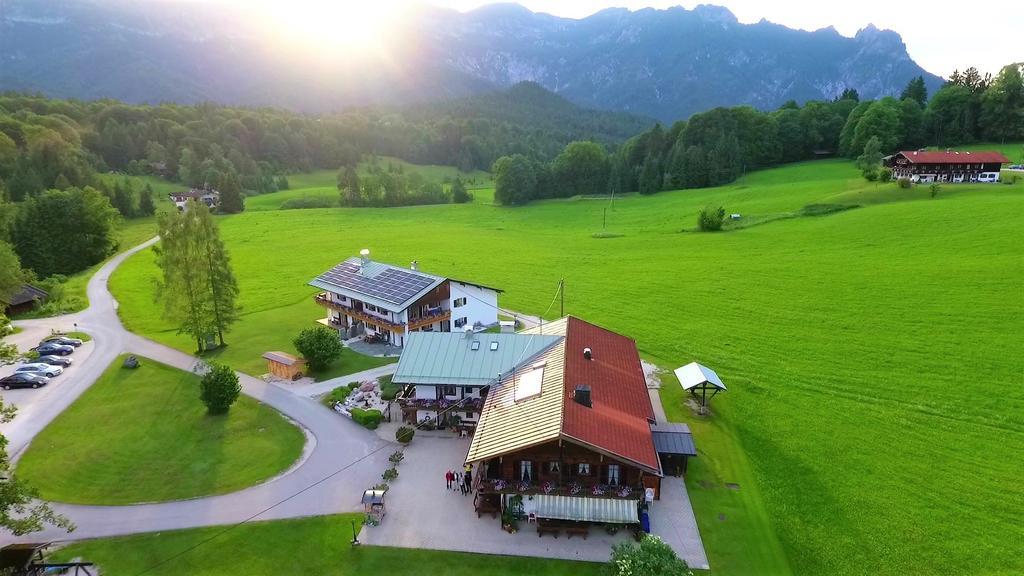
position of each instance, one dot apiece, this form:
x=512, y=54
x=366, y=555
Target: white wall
x=481, y=304
x=425, y=391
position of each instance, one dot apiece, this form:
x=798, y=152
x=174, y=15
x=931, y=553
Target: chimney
x=414, y=265
x=468, y=331
x=582, y=395
x=588, y=354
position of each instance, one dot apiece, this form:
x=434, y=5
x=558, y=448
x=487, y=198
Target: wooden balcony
x=579, y=487
x=427, y=320
x=361, y=315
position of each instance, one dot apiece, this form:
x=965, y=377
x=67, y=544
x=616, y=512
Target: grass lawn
x=318, y=545
x=873, y=356
x=143, y=436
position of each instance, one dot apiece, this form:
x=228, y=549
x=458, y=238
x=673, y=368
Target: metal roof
x=506, y=424
x=389, y=287
x=281, y=358
x=693, y=375
x=449, y=358
x=27, y=293
x=673, y=439
x=586, y=509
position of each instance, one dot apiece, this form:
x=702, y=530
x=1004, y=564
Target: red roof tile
x=618, y=421
x=952, y=157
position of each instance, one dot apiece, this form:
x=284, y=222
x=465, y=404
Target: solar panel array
x=392, y=285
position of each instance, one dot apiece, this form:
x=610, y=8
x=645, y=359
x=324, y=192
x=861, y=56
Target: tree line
x=393, y=186
x=716, y=147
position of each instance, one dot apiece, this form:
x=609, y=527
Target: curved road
x=341, y=458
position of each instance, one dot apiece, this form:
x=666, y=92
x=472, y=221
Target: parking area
x=422, y=513
x=31, y=402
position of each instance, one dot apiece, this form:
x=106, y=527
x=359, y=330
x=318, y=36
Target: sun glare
x=332, y=23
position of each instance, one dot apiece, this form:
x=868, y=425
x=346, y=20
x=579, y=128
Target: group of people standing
x=461, y=480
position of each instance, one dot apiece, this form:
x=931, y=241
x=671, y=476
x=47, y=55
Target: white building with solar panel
x=363, y=297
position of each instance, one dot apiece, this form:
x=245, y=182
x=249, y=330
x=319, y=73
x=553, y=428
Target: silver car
x=48, y=370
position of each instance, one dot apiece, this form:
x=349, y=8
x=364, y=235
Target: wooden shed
x=284, y=365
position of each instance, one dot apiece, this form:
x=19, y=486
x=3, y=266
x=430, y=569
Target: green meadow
x=142, y=435
x=318, y=545
x=875, y=415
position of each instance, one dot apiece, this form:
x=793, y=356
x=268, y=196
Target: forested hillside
x=717, y=146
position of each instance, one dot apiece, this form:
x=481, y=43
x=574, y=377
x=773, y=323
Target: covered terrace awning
x=587, y=509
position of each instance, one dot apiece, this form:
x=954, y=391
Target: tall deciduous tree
x=514, y=180
x=80, y=230
x=21, y=512
x=223, y=288
x=582, y=167
x=198, y=287
x=231, y=198
x=11, y=275
x=459, y=193
x=147, y=204
x=1002, y=106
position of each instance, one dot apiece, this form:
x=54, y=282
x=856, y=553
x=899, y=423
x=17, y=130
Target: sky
x=987, y=35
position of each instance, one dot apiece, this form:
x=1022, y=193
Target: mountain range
x=666, y=64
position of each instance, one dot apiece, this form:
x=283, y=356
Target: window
x=583, y=469
x=526, y=470
x=475, y=345
x=529, y=384
x=613, y=474
x=460, y=322
x=553, y=467
x=494, y=346
x=448, y=390
x=469, y=414
x=459, y=302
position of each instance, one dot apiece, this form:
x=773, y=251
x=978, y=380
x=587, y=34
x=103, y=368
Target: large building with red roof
x=569, y=429
x=948, y=166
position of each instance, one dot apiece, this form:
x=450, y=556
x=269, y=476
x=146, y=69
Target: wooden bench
x=484, y=506
x=579, y=530
x=547, y=529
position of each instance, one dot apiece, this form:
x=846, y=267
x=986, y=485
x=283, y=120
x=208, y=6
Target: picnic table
x=554, y=527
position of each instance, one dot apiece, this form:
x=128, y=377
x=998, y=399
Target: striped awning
x=587, y=509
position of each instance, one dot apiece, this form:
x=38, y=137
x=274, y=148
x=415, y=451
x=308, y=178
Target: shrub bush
x=933, y=190
x=388, y=389
x=396, y=457
x=710, y=219
x=405, y=434
x=382, y=486
x=367, y=418
x=903, y=182
x=652, y=557
x=389, y=474
x=308, y=202
x=319, y=345
x=219, y=388
x=884, y=175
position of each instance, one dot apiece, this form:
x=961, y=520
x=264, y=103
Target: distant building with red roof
x=948, y=166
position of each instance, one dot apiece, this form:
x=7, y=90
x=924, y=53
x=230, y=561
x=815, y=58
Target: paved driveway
x=422, y=513
x=341, y=458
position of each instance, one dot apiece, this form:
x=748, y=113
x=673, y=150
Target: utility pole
x=561, y=295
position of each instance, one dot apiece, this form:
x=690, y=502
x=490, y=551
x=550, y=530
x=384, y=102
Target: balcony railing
x=465, y=405
x=571, y=488
x=428, y=319
x=323, y=300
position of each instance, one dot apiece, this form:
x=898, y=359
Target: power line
x=230, y=527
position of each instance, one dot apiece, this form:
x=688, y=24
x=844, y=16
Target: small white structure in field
x=694, y=377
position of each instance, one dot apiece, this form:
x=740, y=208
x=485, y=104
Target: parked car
x=63, y=340
x=23, y=380
x=55, y=360
x=47, y=348
x=48, y=370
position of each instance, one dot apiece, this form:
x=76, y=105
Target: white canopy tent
x=694, y=377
